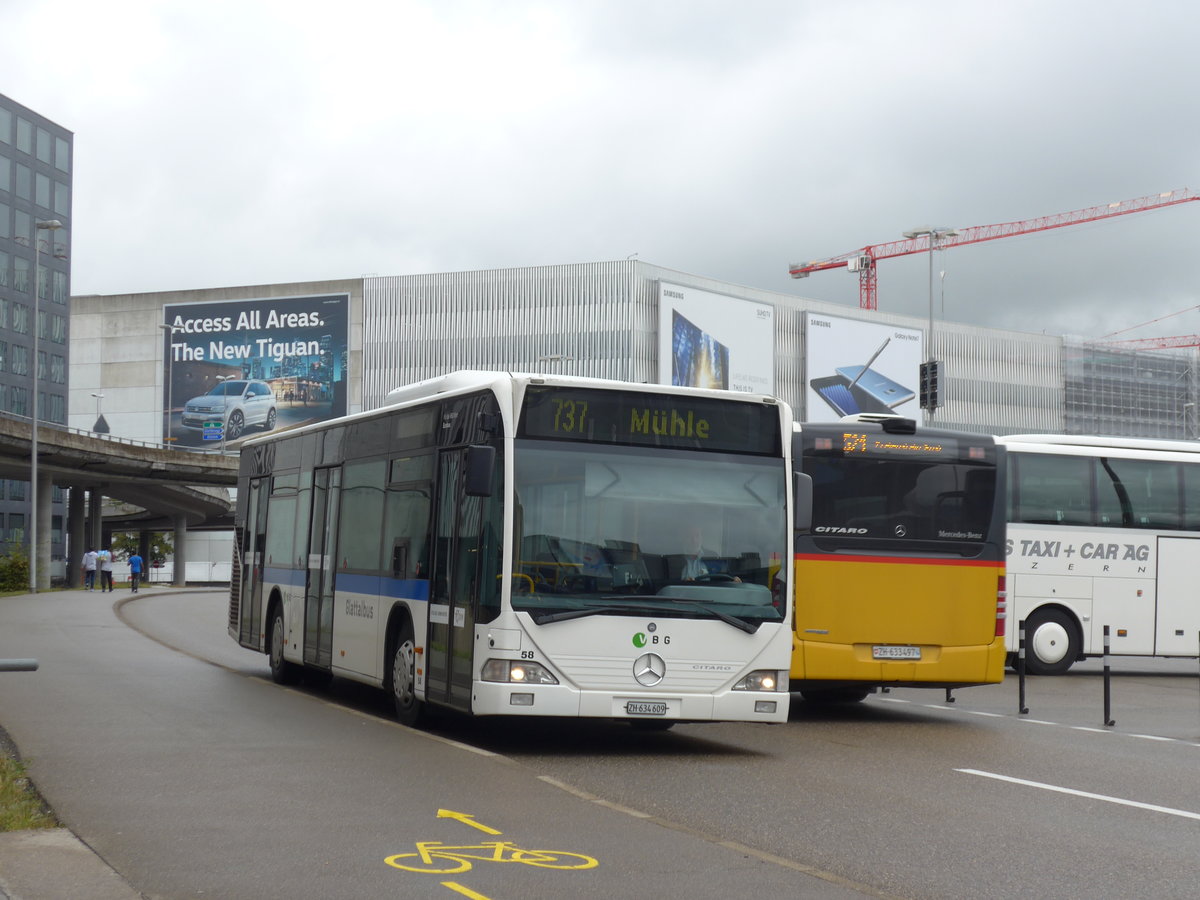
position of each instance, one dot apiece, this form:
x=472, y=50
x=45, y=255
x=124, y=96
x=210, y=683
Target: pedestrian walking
x=135, y=571
x=105, y=562
x=90, y=561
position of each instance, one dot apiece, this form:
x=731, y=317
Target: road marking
x=1064, y=790
x=466, y=819
x=465, y=891
x=993, y=715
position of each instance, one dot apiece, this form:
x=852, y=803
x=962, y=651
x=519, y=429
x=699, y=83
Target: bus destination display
x=896, y=446
x=660, y=420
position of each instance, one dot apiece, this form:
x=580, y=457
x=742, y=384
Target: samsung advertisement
x=242, y=368
x=860, y=367
x=712, y=341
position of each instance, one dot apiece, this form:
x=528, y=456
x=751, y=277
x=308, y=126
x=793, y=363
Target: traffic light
x=931, y=377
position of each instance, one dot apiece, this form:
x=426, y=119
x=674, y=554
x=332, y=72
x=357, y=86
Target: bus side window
x=400, y=558
x=1191, y=497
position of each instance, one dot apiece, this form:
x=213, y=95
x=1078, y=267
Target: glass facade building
x=35, y=289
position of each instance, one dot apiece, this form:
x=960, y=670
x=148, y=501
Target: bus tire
x=403, y=677
x=282, y=671
x=1051, y=642
x=834, y=696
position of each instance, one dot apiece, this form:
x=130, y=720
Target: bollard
x=18, y=665
x=949, y=698
x=1021, y=707
x=1107, y=679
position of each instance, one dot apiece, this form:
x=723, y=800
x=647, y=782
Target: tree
x=125, y=544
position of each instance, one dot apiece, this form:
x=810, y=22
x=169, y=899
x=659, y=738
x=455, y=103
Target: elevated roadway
x=174, y=489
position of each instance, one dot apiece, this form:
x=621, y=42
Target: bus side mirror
x=481, y=462
x=802, y=495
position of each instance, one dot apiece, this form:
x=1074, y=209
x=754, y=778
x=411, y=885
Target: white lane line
x=1063, y=790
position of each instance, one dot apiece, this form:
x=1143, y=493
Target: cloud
x=230, y=143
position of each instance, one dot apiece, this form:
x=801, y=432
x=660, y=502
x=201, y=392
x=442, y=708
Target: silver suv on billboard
x=236, y=404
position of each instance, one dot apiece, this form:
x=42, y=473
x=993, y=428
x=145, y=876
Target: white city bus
x=1102, y=531
x=520, y=545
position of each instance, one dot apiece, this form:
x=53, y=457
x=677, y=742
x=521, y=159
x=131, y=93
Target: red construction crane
x=1155, y=343
x=863, y=261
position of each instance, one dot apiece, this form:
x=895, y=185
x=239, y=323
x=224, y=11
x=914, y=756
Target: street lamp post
x=935, y=235
x=50, y=225
x=225, y=408
x=98, y=397
x=170, y=330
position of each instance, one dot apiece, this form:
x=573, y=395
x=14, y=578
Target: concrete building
x=35, y=229
x=604, y=320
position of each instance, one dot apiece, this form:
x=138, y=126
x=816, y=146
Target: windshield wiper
x=564, y=615
x=608, y=608
x=741, y=624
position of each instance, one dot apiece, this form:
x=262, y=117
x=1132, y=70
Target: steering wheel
x=717, y=576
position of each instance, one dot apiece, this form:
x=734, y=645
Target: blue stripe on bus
x=371, y=585
x=377, y=585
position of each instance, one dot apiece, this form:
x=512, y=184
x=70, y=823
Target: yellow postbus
x=900, y=580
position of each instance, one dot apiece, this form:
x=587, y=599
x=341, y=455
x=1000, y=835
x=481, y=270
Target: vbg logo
x=639, y=639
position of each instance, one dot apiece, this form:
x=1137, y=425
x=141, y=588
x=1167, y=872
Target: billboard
x=239, y=368
x=860, y=367
x=713, y=341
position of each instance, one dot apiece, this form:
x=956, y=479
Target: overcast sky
x=231, y=142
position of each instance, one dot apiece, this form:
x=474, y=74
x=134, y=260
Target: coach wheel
x=1051, y=642
x=235, y=426
x=282, y=671
x=403, y=676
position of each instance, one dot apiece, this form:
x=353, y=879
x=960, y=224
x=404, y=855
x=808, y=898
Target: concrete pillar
x=180, y=551
x=76, y=516
x=41, y=540
x=95, y=518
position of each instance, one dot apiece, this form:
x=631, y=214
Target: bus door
x=449, y=647
x=254, y=537
x=318, y=598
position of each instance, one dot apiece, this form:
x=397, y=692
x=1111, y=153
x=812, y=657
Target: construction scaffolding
x=1132, y=393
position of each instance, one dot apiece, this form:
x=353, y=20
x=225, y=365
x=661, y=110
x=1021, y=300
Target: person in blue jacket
x=135, y=571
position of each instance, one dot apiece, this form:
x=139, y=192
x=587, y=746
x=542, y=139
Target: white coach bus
x=508, y=544
x=1102, y=531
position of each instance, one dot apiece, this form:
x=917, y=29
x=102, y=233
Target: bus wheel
x=403, y=677
x=282, y=671
x=834, y=696
x=1051, y=642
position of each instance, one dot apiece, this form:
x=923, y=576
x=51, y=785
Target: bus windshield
x=621, y=531
x=864, y=502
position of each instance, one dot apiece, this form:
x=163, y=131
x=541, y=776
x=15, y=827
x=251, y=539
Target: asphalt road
x=190, y=773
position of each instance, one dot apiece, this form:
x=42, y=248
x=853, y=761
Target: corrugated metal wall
x=601, y=320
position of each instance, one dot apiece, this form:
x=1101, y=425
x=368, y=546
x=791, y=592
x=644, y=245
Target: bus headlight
x=516, y=671
x=761, y=680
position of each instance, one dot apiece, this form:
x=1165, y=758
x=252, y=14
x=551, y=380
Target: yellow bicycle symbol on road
x=445, y=859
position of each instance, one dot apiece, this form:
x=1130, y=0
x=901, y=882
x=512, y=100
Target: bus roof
x=1110, y=442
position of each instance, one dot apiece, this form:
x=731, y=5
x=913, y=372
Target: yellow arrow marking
x=466, y=819
x=465, y=891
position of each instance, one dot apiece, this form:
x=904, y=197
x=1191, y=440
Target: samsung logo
x=673, y=294
x=819, y=323
x=838, y=529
